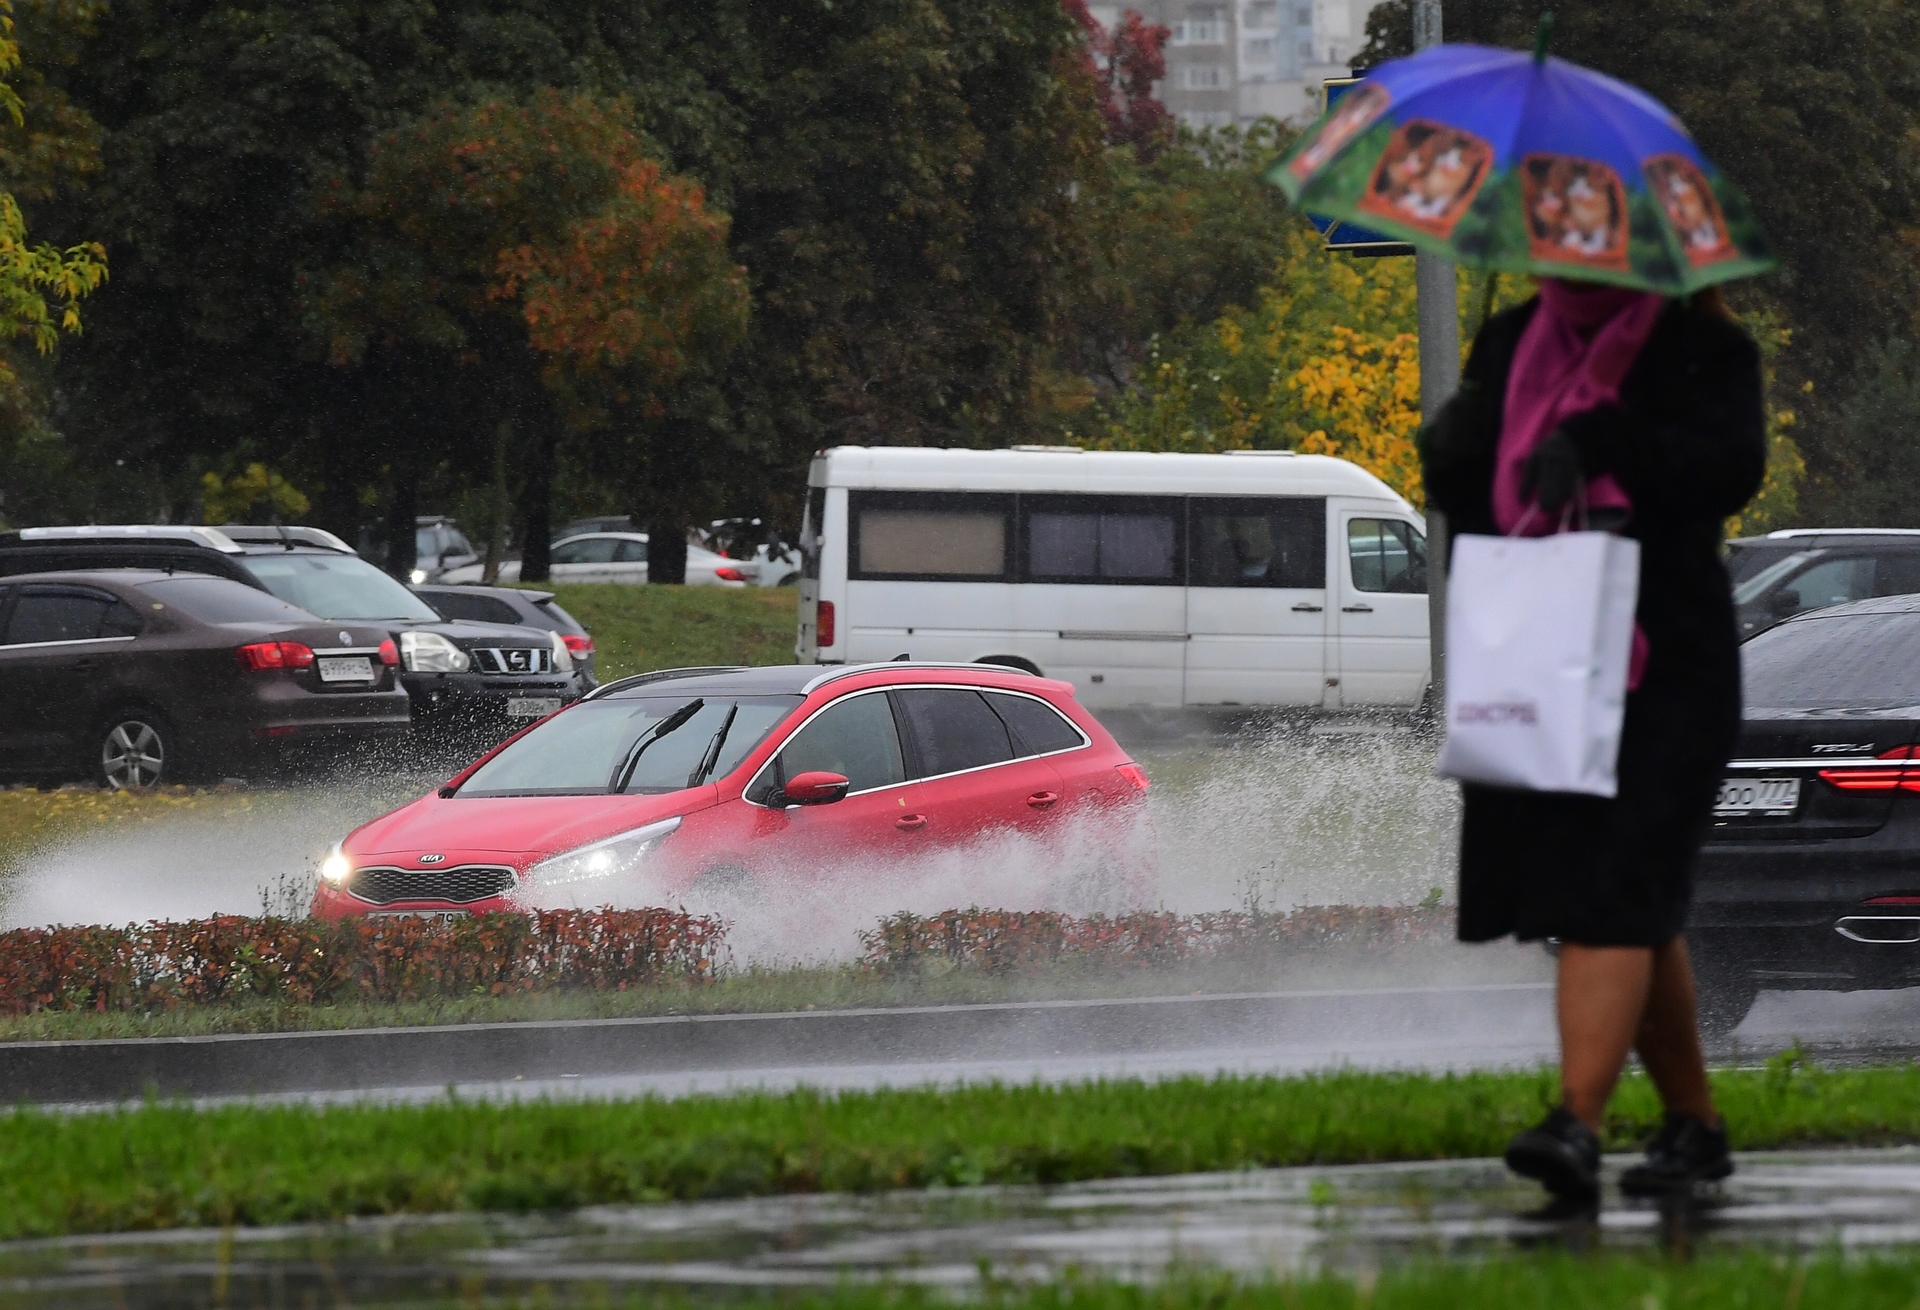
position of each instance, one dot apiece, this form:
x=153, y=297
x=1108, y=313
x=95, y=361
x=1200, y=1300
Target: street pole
x=1439, y=379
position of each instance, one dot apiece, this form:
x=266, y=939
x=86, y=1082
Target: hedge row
x=1007, y=941
x=307, y=961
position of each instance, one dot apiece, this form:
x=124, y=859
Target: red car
x=723, y=777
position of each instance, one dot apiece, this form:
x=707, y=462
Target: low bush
x=310, y=962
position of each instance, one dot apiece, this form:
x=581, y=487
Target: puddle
x=1275, y=1220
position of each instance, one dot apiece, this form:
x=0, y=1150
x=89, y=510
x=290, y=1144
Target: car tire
x=1724, y=988
x=134, y=750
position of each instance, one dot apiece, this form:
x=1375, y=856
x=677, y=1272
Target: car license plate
x=345, y=668
x=531, y=707
x=1771, y=796
x=437, y=916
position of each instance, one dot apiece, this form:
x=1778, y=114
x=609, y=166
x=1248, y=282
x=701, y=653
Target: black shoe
x=1685, y=1152
x=1562, y=1154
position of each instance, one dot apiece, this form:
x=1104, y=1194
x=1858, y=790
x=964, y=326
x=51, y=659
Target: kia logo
x=431, y=859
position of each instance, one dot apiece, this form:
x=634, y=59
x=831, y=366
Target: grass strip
x=640, y=628
x=159, y=1166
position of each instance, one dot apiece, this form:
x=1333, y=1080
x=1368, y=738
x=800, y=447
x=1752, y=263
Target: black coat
x=1688, y=446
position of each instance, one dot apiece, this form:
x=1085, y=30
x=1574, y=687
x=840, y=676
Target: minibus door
x=1257, y=601
x=1380, y=629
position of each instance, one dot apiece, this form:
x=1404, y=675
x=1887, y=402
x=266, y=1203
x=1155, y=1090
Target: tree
x=1121, y=67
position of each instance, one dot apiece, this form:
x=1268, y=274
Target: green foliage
x=1870, y=476
x=253, y=493
x=161, y=1166
x=657, y=627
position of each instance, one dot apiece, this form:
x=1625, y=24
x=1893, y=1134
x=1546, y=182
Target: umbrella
x=1498, y=159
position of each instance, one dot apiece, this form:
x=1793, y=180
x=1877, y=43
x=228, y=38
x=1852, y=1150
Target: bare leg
x=1602, y=1000
x=1669, y=1041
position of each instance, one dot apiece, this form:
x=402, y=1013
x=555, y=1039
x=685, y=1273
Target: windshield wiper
x=712, y=756
x=678, y=719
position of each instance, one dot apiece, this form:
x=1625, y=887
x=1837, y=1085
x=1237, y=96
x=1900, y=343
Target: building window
x=1304, y=16
x=1200, y=31
x=1260, y=50
x=1262, y=15
x=1201, y=121
x=1202, y=77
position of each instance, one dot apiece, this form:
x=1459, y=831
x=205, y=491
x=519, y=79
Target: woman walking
x=1645, y=413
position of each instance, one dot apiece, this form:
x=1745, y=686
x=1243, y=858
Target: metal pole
x=1439, y=379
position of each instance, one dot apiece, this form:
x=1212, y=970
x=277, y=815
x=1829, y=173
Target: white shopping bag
x=1539, y=634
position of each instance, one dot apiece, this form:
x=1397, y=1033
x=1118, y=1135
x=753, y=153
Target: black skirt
x=1597, y=871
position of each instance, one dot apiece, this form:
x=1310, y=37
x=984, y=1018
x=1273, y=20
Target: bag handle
x=1579, y=502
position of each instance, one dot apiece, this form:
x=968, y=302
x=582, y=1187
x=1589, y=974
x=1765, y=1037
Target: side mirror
x=815, y=787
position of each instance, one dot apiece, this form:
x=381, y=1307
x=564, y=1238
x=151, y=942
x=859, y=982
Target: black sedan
x=1810, y=879
x=141, y=677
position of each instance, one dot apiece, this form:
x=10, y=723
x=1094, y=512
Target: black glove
x=1586, y=445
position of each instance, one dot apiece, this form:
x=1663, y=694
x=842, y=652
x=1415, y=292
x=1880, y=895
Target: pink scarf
x=1574, y=355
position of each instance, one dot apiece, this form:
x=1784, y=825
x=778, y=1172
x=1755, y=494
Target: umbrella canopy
x=1503, y=160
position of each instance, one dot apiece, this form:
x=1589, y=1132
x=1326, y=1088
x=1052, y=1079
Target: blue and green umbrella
x=1498, y=159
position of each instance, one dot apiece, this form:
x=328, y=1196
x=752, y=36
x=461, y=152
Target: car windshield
x=584, y=750
x=1846, y=662
x=1760, y=583
x=220, y=600
x=338, y=587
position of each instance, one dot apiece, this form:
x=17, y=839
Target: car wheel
x=1725, y=989
x=791, y=580
x=135, y=751
x=727, y=882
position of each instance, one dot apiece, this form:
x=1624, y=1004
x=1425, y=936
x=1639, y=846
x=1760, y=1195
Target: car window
x=952, y=729
x=1084, y=539
x=219, y=600
x=588, y=550
x=1037, y=728
x=45, y=614
x=1387, y=555
x=475, y=609
x=121, y=621
x=1830, y=582
x=1760, y=583
x=1897, y=574
x=579, y=751
x=1847, y=662
x=1274, y=543
x=561, y=620
x=855, y=738
x=338, y=587
x=630, y=552
x=425, y=543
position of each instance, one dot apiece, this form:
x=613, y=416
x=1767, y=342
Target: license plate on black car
x=531, y=707
x=1773, y=797
x=345, y=668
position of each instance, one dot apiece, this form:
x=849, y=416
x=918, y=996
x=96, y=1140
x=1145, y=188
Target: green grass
x=636, y=629
x=159, y=1166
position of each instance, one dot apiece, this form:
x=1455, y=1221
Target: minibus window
x=813, y=528
x=1277, y=542
x=1103, y=540
x=930, y=535
x=1387, y=555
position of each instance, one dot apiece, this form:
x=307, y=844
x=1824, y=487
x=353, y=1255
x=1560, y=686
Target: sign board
x=1354, y=240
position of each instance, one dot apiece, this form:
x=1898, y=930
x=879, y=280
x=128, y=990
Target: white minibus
x=1253, y=578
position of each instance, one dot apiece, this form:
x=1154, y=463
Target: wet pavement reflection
x=1276, y=1220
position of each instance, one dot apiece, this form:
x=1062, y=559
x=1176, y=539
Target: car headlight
x=417, y=577
x=562, y=657
x=336, y=867
x=606, y=858
x=429, y=652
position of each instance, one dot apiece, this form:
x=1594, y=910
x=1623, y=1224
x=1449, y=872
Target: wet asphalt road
x=1284, y=1220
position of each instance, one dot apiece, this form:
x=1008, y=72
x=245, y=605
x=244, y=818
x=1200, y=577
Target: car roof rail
x=663, y=675
x=272, y=534
x=209, y=538
x=848, y=670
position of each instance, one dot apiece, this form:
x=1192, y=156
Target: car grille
x=466, y=882
x=513, y=659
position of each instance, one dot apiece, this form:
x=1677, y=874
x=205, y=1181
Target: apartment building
x=1231, y=63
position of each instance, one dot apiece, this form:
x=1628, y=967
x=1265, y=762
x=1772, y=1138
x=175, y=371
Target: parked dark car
x=528, y=609
x=1810, y=879
x=139, y=677
x=482, y=678
x=1786, y=573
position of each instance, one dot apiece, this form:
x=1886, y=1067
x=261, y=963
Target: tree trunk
x=536, y=551
x=499, y=509
x=666, y=550
x=402, y=510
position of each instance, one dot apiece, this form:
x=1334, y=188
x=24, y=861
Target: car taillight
x=730, y=575
x=263, y=655
x=389, y=653
x=578, y=642
x=823, y=633
x=1134, y=774
x=1894, y=778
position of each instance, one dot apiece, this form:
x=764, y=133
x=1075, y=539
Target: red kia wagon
x=709, y=777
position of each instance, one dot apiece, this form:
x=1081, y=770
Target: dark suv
x=482, y=676
x=1786, y=573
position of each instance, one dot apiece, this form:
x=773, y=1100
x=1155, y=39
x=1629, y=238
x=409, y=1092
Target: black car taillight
x=263, y=655
x=1898, y=777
